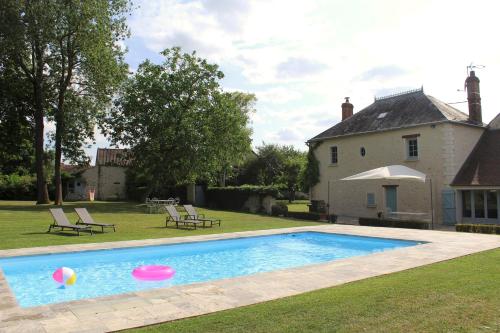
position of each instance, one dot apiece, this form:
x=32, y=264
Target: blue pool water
x=108, y=272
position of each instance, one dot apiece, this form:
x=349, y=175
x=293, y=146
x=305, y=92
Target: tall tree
x=26, y=30
x=229, y=124
x=87, y=66
x=175, y=119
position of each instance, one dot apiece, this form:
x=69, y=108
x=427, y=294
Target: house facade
x=410, y=129
x=104, y=181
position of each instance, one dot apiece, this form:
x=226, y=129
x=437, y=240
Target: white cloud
x=302, y=57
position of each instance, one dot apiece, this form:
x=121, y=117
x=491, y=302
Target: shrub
x=305, y=216
x=479, y=228
x=234, y=197
x=279, y=209
x=393, y=223
x=17, y=187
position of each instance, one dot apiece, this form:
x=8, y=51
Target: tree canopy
x=178, y=123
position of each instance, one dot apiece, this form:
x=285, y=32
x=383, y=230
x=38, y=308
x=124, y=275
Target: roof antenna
x=469, y=68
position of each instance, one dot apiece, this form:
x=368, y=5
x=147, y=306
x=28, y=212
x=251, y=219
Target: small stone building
x=106, y=180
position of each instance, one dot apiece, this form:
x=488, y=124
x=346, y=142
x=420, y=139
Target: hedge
x=373, y=222
x=234, y=197
x=17, y=187
x=479, y=228
x=305, y=216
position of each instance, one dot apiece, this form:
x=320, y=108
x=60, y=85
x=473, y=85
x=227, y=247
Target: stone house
x=106, y=180
x=411, y=129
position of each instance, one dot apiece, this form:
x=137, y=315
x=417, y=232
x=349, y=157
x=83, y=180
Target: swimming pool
x=108, y=272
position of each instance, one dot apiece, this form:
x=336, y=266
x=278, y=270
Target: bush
x=305, y=216
x=234, y=197
x=393, y=223
x=279, y=209
x=479, y=228
x=17, y=187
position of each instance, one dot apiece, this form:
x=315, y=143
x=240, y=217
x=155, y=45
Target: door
x=449, y=213
x=391, y=198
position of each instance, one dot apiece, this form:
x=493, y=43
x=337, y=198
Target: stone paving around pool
x=160, y=305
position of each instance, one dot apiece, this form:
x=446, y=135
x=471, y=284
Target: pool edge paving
x=148, y=307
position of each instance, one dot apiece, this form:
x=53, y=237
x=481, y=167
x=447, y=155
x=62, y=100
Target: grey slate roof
x=405, y=110
x=482, y=166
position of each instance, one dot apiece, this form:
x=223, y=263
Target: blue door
x=449, y=213
x=391, y=198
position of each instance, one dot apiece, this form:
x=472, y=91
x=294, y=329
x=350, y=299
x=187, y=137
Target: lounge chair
x=193, y=214
x=176, y=218
x=85, y=219
x=61, y=221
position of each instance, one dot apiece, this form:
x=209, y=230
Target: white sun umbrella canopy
x=389, y=172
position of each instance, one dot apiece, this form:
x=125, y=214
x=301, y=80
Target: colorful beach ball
x=64, y=276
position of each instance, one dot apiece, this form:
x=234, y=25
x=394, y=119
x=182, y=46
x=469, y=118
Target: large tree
x=69, y=51
x=179, y=125
x=25, y=34
x=87, y=66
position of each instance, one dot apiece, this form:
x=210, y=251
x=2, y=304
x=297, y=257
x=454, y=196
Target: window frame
x=332, y=148
x=409, y=149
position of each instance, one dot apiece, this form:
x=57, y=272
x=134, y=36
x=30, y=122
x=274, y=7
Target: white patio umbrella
x=395, y=172
x=389, y=172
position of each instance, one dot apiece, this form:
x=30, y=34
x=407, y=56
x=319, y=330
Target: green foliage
x=393, y=223
x=304, y=216
x=311, y=171
x=275, y=165
x=178, y=123
x=17, y=187
x=234, y=197
x=279, y=209
x=479, y=228
x=16, y=128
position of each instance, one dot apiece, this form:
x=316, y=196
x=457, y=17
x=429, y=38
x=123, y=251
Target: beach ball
x=64, y=276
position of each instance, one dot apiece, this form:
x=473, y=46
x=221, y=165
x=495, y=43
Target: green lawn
x=297, y=205
x=461, y=295
x=23, y=224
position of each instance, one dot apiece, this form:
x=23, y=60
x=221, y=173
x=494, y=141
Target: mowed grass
x=297, y=205
x=24, y=224
x=461, y=295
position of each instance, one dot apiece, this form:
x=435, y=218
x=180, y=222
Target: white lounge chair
x=61, y=221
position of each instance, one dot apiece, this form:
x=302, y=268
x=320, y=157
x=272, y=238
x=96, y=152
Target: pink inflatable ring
x=153, y=273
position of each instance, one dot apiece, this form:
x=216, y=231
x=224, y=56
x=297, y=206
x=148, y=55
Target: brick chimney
x=347, y=109
x=474, y=98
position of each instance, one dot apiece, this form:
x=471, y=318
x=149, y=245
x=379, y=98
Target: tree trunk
x=41, y=183
x=57, y=162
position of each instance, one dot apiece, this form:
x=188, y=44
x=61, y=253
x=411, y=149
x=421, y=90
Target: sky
x=301, y=58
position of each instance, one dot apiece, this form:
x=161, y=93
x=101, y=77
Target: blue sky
x=301, y=58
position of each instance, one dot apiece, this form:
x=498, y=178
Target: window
x=412, y=148
x=362, y=151
x=370, y=200
x=479, y=204
x=491, y=204
x=333, y=155
x=466, y=204
x=71, y=187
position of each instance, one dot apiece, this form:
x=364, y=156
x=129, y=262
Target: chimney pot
x=347, y=109
x=474, y=98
